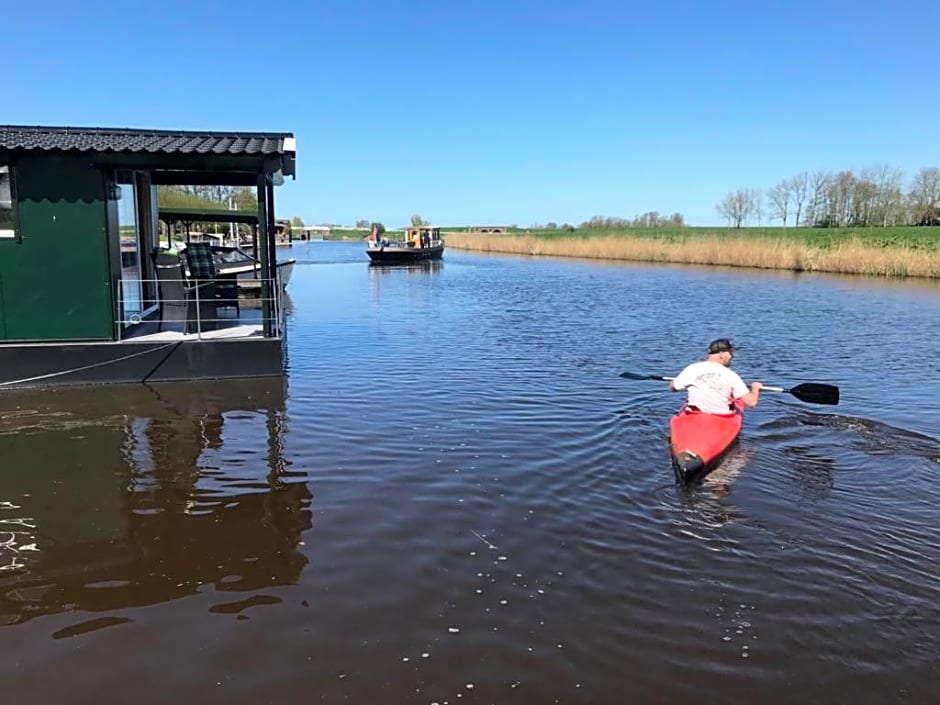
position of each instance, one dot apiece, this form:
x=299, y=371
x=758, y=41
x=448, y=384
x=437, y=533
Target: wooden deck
x=240, y=331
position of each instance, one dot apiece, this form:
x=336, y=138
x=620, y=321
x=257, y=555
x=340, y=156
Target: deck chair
x=201, y=264
x=178, y=297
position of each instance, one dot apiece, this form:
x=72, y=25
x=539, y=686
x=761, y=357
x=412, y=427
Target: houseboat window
x=7, y=222
x=131, y=289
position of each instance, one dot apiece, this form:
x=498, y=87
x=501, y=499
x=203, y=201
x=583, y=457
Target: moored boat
x=700, y=440
x=236, y=262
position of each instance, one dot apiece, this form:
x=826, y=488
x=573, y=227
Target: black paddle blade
x=634, y=375
x=816, y=393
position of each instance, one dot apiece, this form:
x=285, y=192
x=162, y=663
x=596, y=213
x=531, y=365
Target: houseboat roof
x=101, y=139
x=184, y=150
x=207, y=215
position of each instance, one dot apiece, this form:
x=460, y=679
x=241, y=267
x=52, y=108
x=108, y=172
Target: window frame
x=148, y=296
x=15, y=234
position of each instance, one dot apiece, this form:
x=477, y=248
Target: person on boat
x=712, y=385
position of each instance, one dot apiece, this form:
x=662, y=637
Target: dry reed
x=850, y=257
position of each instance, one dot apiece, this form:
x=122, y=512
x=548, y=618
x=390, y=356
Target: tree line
x=876, y=196
x=242, y=198
x=650, y=219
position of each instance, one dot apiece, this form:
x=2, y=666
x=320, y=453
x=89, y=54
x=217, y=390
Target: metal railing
x=197, y=311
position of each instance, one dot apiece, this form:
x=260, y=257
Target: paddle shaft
x=812, y=392
x=764, y=388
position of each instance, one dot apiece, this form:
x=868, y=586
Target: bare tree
x=925, y=196
x=726, y=209
x=779, y=197
x=755, y=207
x=888, y=198
x=817, y=210
x=864, y=200
x=737, y=207
x=650, y=219
x=841, y=198
x=799, y=188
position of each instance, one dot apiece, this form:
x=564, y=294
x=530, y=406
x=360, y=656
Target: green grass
x=824, y=238
x=340, y=234
x=906, y=236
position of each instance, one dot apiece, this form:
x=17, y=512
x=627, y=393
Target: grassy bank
x=340, y=234
x=903, y=236
x=895, y=252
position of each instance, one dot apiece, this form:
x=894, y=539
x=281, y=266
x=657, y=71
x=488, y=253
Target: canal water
x=453, y=497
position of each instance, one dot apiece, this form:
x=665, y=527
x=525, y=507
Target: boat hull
x=391, y=255
x=181, y=358
x=284, y=271
x=249, y=271
x=699, y=440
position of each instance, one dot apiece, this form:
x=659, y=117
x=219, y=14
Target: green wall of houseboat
x=55, y=281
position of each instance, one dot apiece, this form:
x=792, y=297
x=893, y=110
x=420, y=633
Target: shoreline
x=852, y=256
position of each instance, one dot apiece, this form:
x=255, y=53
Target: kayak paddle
x=811, y=392
x=634, y=375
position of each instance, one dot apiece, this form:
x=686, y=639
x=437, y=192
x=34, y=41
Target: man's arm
x=750, y=399
x=679, y=382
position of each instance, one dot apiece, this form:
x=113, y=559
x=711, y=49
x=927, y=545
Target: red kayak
x=699, y=440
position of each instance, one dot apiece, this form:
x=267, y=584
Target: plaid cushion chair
x=202, y=268
x=199, y=259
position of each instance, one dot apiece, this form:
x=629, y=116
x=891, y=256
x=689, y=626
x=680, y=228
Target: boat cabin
x=423, y=235
x=89, y=293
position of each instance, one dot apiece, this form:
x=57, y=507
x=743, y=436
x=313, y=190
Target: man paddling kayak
x=713, y=386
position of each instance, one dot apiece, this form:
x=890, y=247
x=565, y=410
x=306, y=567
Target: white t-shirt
x=711, y=386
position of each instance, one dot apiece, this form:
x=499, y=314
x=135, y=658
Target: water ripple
x=454, y=494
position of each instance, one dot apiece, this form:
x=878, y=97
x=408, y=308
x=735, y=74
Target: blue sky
x=497, y=111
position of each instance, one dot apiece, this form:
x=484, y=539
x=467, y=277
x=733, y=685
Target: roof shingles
x=84, y=139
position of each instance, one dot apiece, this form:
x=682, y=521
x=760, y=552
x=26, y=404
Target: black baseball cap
x=719, y=346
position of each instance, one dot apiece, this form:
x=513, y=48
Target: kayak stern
x=687, y=465
x=699, y=440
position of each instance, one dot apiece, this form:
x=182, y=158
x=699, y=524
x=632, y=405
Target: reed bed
x=851, y=256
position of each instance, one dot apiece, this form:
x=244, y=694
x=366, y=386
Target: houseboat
x=89, y=294
x=422, y=243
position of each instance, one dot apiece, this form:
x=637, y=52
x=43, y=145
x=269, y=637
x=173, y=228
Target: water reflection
x=719, y=480
x=705, y=504
x=128, y=496
x=423, y=267
x=287, y=304
x=398, y=279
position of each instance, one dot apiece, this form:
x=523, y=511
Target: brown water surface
x=453, y=498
